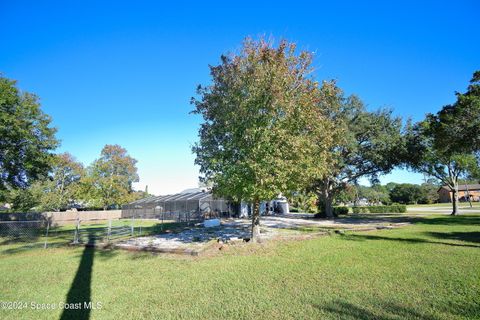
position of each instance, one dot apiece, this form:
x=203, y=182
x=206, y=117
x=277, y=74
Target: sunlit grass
x=464, y=205
x=428, y=270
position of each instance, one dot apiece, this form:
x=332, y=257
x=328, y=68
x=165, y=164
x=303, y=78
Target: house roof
x=463, y=187
x=154, y=200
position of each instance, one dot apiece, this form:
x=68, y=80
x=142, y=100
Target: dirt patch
x=199, y=240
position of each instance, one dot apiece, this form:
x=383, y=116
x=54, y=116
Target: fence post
x=46, y=235
x=109, y=230
x=77, y=229
x=133, y=221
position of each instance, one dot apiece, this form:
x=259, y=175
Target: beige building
x=464, y=191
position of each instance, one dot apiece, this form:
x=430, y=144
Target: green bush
x=359, y=210
x=336, y=212
x=339, y=211
x=397, y=208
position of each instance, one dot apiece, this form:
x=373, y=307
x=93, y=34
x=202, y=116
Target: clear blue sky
x=111, y=72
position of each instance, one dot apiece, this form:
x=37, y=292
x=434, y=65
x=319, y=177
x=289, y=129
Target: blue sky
x=113, y=72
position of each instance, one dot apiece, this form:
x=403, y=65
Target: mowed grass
x=462, y=205
x=429, y=270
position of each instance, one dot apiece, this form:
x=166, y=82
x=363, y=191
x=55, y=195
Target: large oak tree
x=26, y=138
x=366, y=145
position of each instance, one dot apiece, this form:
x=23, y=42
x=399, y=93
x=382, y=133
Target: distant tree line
x=358, y=195
x=403, y=193
x=34, y=178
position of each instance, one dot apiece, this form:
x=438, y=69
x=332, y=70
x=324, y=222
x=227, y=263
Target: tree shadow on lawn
x=473, y=236
x=460, y=220
x=446, y=220
x=18, y=248
x=440, y=235
x=167, y=227
x=386, y=311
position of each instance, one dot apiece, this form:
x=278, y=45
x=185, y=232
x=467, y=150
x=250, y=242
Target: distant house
x=5, y=206
x=464, y=191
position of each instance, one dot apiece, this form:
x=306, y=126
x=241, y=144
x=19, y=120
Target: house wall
x=474, y=194
x=446, y=196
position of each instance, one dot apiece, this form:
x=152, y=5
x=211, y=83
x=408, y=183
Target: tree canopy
x=262, y=124
x=26, y=138
x=446, y=144
x=62, y=187
x=109, y=179
x=59, y=190
x=426, y=154
x=456, y=127
x=367, y=145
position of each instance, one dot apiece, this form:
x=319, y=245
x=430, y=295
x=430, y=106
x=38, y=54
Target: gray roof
x=191, y=190
x=192, y=196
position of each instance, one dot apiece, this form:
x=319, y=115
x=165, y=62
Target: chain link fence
x=181, y=211
x=32, y=232
x=45, y=233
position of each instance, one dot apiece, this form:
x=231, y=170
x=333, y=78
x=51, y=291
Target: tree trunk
x=256, y=221
x=455, y=200
x=325, y=200
x=328, y=205
x=468, y=196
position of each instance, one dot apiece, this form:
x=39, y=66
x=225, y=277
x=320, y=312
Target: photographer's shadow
x=79, y=294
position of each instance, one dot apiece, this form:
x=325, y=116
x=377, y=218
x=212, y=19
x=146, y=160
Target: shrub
x=339, y=211
x=336, y=212
x=359, y=210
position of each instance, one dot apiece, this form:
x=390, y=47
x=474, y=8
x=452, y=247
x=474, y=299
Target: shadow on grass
x=79, y=295
x=473, y=236
x=17, y=248
x=383, y=311
x=446, y=220
x=363, y=237
x=167, y=227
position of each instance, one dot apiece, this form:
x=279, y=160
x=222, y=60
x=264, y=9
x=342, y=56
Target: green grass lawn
x=429, y=270
x=464, y=205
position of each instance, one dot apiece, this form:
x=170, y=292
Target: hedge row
x=336, y=212
x=340, y=210
x=396, y=208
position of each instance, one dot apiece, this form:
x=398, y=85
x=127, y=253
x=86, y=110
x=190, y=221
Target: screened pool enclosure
x=187, y=206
